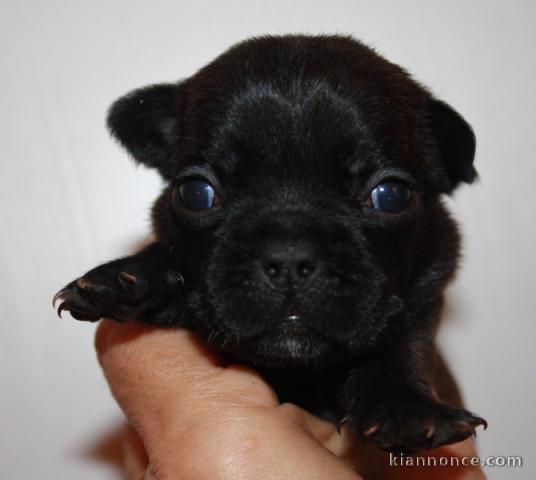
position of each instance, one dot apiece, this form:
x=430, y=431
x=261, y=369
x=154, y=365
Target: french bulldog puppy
x=301, y=228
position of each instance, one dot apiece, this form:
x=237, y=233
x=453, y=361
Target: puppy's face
x=304, y=176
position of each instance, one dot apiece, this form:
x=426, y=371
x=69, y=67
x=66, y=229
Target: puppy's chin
x=288, y=344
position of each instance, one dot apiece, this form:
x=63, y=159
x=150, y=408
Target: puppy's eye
x=195, y=194
x=391, y=197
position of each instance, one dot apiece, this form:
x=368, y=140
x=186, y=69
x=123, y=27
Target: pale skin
x=193, y=416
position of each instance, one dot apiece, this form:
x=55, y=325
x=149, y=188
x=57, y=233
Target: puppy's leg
x=143, y=286
x=390, y=401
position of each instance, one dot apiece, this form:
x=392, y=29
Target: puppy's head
x=303, y=183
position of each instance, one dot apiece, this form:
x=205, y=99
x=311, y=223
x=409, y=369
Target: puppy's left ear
x=453, y=145
x=146, y=123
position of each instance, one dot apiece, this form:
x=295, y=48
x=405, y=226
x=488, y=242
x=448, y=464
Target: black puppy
x=301, y=228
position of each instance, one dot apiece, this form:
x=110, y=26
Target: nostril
x=272, y=269
x=305, y=269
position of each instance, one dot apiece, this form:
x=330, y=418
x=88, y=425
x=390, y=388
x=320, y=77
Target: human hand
x=193, y=416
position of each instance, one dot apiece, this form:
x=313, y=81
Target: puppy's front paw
x=410, y=422
x=118, y=290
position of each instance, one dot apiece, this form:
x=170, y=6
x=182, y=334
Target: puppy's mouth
x=292, y=324
x=288, y=341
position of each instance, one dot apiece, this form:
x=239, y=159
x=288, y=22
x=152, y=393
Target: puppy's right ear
x=146, y=123
x=454, y=146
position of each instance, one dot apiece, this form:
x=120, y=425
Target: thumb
x=147, y=365
x=172, y=387
x=199, y=418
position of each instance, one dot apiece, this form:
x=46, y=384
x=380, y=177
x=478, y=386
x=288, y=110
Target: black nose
x=286, y=265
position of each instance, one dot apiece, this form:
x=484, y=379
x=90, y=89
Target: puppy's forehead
x=301, y=131
x=305, y=105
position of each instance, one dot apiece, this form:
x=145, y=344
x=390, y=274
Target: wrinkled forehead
x=308, y=131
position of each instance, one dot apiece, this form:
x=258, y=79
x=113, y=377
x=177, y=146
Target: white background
x=70, y=198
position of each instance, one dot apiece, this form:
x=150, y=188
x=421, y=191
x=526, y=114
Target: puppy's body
x=301, y=229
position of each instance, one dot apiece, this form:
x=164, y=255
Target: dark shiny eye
x=391, y=196
x=195, y=194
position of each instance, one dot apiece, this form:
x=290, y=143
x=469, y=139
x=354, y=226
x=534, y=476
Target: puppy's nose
x=288, y=265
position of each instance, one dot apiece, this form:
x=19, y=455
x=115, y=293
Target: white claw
x=61, y=308
x=58, y=296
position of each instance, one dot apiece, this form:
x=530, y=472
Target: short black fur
x=294, y=271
